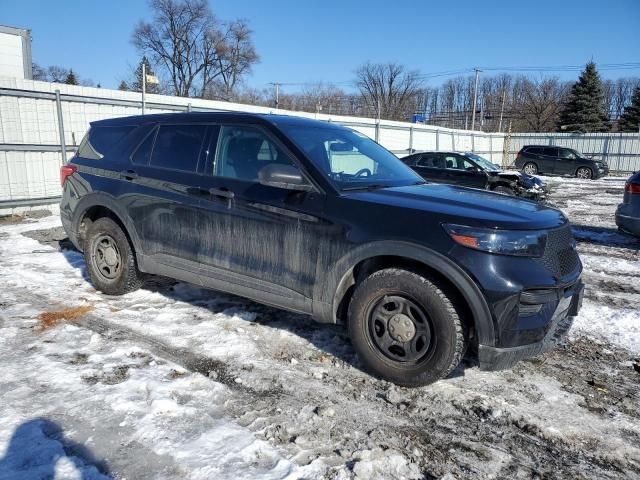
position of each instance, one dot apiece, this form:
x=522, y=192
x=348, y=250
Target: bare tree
x=538, y=103
x=57, y=74
x=389, y=89
x=199, y=55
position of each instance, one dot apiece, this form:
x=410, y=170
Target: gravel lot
x=177, y=382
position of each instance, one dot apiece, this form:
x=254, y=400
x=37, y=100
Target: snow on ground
x=174, y=381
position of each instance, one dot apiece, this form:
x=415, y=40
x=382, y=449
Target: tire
x=504, y=190
x=438, y=340
x=110, y=259
x=584, y=173
x=530, y=168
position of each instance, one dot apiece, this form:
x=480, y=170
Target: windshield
x=350, y=159
x=483, y=163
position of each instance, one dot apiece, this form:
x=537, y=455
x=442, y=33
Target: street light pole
x=277, y=85
x=504, y=95
x=475, y=100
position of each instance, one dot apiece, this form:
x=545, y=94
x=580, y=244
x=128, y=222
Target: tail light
x=632, y=188
x=519, y=155
x=65, y=172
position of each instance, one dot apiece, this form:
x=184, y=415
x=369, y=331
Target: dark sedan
x=472, y=170
x=550, y=160
x=628, y=212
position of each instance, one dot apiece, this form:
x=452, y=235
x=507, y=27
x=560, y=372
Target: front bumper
x=498, y=358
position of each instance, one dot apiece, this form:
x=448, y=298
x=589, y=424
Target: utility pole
x=504, y=95
x=475, y=99
x=144, y=84
x=277, y=85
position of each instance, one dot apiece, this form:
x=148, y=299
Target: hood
x=524, y=179
x=467, y=206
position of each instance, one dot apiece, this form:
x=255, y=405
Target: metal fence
x=42, y=123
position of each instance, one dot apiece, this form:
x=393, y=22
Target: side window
x=178, y=147
x=452, y=162
x=567, y=154
x=551, y=152
x=243, y=151
x=99, y=140
x=431, y=161
x=142, y=153
x=534, y=151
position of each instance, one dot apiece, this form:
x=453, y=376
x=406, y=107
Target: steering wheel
x=361, y=173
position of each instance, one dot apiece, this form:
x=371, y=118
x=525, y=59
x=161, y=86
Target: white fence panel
x=30, y=143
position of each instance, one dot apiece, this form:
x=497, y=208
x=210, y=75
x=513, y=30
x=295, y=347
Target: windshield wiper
x=373, y=186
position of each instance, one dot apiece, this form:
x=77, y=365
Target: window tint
x=534, y=150
x=567, y=154
x=142, y=154
x=456, y=162
x=431, y=161
x=100, y=140
x=178, y=147
x=551, y=152
x=244, y=151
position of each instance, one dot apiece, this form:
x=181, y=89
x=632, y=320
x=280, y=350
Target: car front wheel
x=405, y=328
x=584, y=172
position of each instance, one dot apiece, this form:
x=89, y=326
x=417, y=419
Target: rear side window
x=534, y=150
x=100, y=140
x=178, y=147
x=431, y=161
x=551, y=152
x=142, y=154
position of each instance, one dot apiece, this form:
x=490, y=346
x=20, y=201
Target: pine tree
x=136, y=85
x=71, y=78
x=584, y=110
x=123, y=86
x=630, y=119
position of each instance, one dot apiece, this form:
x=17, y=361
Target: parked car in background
x=319, y=219
x=628, y=212
x=472, y=170
x=550, y=160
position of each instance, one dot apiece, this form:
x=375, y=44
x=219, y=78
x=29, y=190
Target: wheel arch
x=98, y=205
x=331, y=297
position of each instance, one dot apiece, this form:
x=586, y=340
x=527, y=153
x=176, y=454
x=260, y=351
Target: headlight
x=505, y=242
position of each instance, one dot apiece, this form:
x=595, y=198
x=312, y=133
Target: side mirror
x=283, y=176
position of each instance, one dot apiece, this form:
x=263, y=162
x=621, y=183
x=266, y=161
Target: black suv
x=551, y=160
x=319, y=219
x=471, y=170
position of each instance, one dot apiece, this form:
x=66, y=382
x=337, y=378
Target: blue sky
x=312, y=40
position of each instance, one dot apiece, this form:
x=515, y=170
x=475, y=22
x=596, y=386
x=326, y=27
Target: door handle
x=128, y=175
x=221, y=192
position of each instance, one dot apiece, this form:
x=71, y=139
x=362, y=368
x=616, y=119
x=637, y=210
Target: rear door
x=262, y=236
x=551, y=163
x=536, y=155
x=164, y=199
x=431, y=167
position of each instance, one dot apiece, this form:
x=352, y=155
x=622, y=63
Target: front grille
x=560, y=256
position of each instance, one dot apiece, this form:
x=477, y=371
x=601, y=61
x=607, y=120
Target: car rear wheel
x=530, y=168
x=405, y=328
x=584, y=172
x=110, y=259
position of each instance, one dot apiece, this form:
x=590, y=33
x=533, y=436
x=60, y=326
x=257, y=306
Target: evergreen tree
x=630, y=119
x=136, y=85
x=123, y=86
x=71, y=78
x=584, y=110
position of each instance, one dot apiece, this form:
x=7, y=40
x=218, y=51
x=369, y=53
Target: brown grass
x=51, y=319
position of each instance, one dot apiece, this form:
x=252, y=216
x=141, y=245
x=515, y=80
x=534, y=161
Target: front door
x=460, y=171
x=261, y=235
x=566, y=164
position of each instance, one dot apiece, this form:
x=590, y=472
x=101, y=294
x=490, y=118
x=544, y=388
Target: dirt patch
x=13, y=219
x=51, y=319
